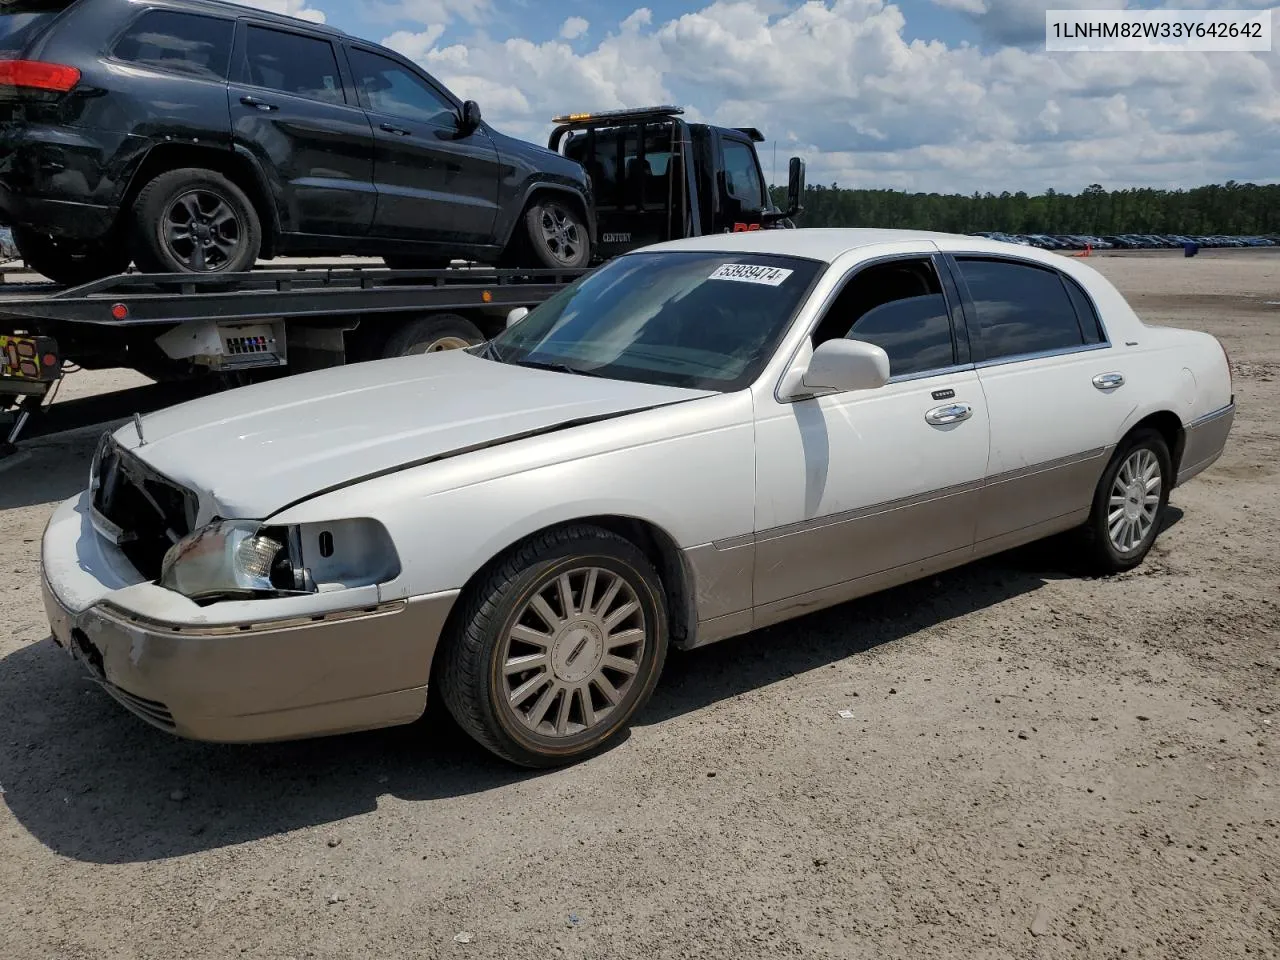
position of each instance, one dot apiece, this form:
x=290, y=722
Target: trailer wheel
x=556, y=235
x=67, y=262
x=431, y=334
x=195, y=221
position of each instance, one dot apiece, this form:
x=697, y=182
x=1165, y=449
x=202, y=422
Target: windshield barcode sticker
x=751, y=273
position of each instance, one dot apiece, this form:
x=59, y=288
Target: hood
x=251, y=451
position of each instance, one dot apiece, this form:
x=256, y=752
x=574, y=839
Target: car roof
x=232, y=9
x=828, y=244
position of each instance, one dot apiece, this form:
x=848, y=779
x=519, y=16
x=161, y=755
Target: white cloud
x=1021, y=22
x=836, y=81
x=431, y=12
x=573, y=28
x=292, y=8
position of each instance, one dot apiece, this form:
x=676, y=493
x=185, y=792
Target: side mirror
x=516, y=315
x=795, y=187
x=470, y=116
x=846, y=365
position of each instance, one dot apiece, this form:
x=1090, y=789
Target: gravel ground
x=1037, y=765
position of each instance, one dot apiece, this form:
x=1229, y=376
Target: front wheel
x=1129, y=504
x=556, y=236
x=557, y=649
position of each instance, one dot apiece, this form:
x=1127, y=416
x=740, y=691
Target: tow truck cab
x=655, y=177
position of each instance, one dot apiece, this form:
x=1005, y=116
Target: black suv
x=195, y=136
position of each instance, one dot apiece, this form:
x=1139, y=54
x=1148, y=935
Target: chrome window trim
x=925, y=374
x=1042, y=354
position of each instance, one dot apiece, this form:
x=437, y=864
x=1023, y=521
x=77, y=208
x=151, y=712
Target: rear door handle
x=398, y=131
x=1108, y=381
x=949, y=413
x=255, y=102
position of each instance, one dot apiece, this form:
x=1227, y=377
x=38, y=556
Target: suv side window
x=292, y=63
x=1021, y=308
x=186, y=43
x=387, y=87
x=742, y=176
x=899, y=306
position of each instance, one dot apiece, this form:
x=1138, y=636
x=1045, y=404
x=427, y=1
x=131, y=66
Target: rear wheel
x=66, y=261
x=195, y=221
x=557, y=648
x=1129, y=503
x=555, y=236
x=432, y=334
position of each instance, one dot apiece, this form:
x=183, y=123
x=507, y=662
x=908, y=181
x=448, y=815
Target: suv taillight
x=37, y=75
x=1231, y=381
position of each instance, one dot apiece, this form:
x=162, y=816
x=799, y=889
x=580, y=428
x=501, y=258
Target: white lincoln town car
x=691, y=442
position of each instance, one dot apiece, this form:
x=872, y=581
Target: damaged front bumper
x=246, y=671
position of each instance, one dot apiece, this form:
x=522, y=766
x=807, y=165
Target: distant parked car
x=196, y=136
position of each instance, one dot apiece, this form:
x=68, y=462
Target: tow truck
x=654, y=177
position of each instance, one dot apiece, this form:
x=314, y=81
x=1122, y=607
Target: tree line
x=1232, y=209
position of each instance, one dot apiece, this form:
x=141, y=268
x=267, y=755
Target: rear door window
x=179, y=42
x=22, y=21
x=1022, y=309
x=292, y=63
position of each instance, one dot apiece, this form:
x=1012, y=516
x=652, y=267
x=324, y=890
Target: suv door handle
x=398, y=131
x=949, y=413
x=1108, y=381
x=255, y=102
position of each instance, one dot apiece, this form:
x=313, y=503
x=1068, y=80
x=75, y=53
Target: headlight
x=232, y=558
x=245, y=559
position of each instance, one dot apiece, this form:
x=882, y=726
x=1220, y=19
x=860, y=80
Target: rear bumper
x=58, y=218
x=1205, y=440
x=307, y=676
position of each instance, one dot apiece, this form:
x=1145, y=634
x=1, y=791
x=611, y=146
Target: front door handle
x=255, y=102
x=1108, y=381
x=398, y=131
x=949, y=413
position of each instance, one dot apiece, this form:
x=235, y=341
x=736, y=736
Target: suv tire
x=195, y=221
x=555, y=235
x=67, y=262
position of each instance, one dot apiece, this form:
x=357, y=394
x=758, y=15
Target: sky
x=950, y=96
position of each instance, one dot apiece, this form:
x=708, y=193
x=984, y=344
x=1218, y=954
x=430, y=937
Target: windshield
x=707, y=321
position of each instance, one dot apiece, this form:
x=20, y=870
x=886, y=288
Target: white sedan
x=694, y=441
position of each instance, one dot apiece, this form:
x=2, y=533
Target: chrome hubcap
x=560, y=233
x=574, y=652
x=202, y=231
x=1135, y=500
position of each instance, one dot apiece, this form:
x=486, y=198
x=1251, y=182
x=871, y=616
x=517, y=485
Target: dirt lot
x=1037, y=765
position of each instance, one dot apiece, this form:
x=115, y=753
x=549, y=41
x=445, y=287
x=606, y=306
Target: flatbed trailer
x=276, y=319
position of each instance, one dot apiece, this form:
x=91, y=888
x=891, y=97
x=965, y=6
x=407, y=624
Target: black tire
x=215, y=205
x=68, y=262
x=555, y=236
x=1101, y=554
x=470, y=673
x=431, y=334
x=409, y=262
